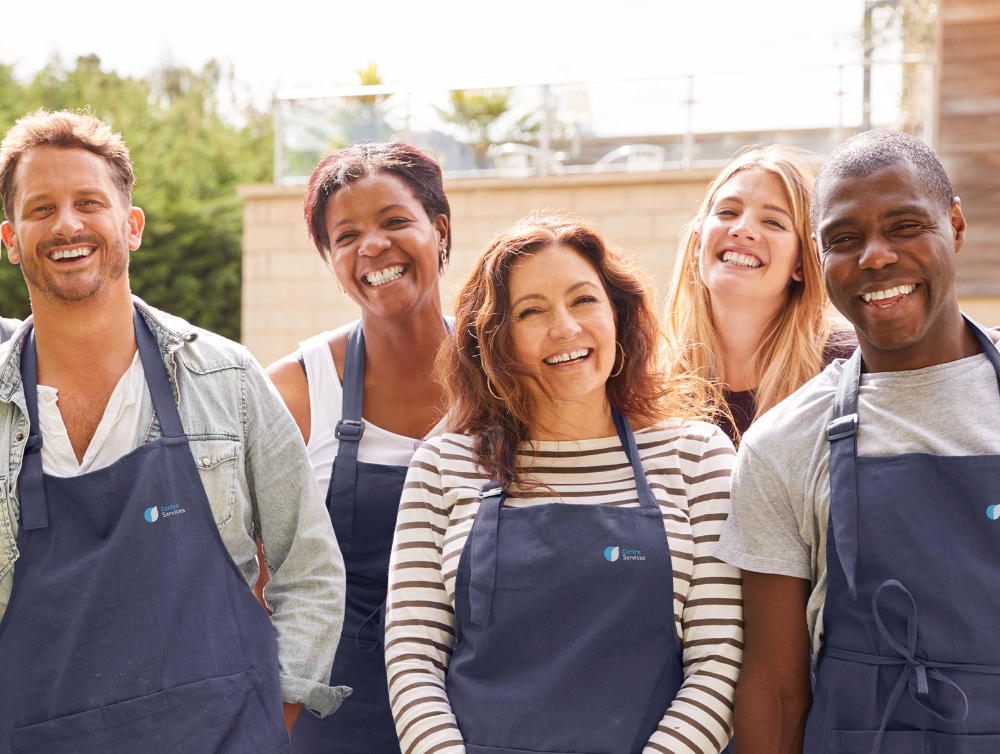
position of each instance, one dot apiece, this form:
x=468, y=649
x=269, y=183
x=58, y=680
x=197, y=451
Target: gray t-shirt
x=781, y=483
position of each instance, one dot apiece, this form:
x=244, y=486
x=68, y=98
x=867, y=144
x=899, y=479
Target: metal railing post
x=278, y=123
x=408, y=132
x=840, y=104
x=545, y=142
x=930, y=104
x=687, y=156
x=869, y=49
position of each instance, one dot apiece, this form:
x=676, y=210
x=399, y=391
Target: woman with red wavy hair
x=551, y=585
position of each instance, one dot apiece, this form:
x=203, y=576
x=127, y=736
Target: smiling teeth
x=743, y=260
x=385, y=276
x=568, y=356
x=70, y=254
x=899, y=290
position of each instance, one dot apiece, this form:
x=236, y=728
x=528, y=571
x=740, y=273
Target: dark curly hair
x=417, y=169
x=870, y=151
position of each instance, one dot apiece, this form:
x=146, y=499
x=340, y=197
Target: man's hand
x=773, y=693
x=291, y=714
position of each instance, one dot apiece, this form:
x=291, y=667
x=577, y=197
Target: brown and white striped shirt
x=688, y=468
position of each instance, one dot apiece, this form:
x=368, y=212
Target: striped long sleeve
x=420, y=616
x=711, y=614
x=688, y=469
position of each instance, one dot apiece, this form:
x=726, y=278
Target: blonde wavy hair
x=791, y=349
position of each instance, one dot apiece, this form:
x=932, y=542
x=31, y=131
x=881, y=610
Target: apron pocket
x=224, y=715
x=911, y=742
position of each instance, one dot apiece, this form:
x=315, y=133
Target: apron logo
x=611, y=554
x=151, y=514
x=993, y=512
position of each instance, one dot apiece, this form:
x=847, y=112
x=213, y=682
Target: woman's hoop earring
x=489, y=386
x=620, y=366
x=444, y=259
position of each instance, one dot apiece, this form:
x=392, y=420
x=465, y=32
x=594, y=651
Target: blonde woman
x=747, y=307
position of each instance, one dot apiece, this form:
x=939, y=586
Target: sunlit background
x=618, y=111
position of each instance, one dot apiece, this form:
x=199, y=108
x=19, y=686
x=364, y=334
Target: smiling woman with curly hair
x=552, y=586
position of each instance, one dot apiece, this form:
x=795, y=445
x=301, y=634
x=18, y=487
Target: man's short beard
x=113, y=265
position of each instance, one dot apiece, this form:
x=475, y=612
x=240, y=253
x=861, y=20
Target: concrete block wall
x=289, y=294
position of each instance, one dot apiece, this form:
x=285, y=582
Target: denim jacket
x=254, y=466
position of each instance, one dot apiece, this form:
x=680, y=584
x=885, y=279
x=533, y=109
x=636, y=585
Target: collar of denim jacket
x=170, y=333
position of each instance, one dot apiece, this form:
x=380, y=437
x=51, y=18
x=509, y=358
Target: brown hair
x=64, y=128
x=414, y=167
x=481, y=356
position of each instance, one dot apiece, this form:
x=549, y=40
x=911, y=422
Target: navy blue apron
x=129, y=627
x=363, y=500
x=565, y=636
x=911, y=625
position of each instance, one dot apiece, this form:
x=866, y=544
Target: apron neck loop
x=483, y=552
x=989, y=347
x=842, y=434
x=161, y=392
x=350, y=428
x=349, y=431
x=34, y=505
x=627, y=439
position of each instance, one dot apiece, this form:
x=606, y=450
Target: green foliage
x=913, y=22
x=192, y=145
x=476, y=111
x=370, y=76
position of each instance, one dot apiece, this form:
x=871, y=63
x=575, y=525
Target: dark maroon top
x=743, y=405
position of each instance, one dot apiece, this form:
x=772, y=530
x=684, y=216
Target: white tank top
x=326, y=399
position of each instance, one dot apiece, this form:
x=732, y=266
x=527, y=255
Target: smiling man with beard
x=146, y=456
x=864, y=505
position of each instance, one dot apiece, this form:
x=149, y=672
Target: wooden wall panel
x=969, y=132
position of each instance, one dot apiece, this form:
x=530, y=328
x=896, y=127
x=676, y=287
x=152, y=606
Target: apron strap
x=161, y=392
x=627, y=439
x=349, y=431
x=842, y=433
x=484, y=534
x=989, y=347
x=483, y=552
x=34, y=505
